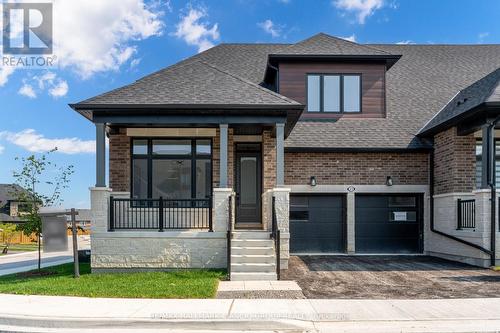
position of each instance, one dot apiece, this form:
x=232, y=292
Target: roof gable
x=323, y=45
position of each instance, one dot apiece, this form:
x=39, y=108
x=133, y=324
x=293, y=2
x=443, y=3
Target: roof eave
x=389, y=59
x=183, y=107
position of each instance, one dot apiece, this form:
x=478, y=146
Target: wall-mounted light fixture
x=389, y=181
x=312, y=181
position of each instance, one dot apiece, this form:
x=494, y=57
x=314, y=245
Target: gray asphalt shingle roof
x=485, y=90
x=195, y=82
x=323, y=44
x=8, y=193
x=418, y=86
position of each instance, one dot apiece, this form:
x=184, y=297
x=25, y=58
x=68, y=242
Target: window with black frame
x=171, y=168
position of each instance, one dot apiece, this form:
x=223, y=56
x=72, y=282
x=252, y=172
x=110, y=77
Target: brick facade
x=454, y=162
x=119, y=161
x=268, y=160
x=357, y=168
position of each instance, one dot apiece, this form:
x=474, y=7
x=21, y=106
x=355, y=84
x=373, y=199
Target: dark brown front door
x=248, y=183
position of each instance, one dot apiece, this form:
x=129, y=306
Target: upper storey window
x=336, y=93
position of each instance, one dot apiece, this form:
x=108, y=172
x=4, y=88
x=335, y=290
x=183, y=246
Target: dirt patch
x=35, y=274
x=385, y=277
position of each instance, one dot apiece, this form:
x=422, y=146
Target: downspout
x=431, y=208
x=491, y=183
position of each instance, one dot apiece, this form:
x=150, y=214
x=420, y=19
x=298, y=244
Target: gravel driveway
x=384, y=277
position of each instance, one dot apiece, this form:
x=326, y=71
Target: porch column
x=280, y=155
x=223, y=156
x=484, y=158
x=100, y=155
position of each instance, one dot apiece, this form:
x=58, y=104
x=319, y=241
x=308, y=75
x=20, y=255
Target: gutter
x=431, y=207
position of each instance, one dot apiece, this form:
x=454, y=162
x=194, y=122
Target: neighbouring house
x=246, y=153
x=11, y=209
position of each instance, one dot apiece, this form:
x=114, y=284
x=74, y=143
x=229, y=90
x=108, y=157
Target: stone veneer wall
x=357, y=168
x=454, y=162
x=119, y=161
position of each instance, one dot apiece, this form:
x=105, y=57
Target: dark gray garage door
x=388, y=223
x=317, y=224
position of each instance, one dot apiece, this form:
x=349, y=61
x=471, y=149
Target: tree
x=9, y=231
x=43, y=182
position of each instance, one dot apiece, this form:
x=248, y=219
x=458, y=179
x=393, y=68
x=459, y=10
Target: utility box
x=54, y=232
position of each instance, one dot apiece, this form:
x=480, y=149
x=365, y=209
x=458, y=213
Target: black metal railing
x=466, y=214
x=159, y=214
x=229, y=234
x=276, y=236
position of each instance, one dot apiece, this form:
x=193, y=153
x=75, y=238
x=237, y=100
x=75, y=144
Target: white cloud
x=195, y=32
x=361, y=8
x=2, y=148
x=405, y=42
x=269, y=27
x=27, y=90
x=5, y=72
x=482, y=36
x=351, y=38
x=93, y=36
x=34, y=142
x=55, y=86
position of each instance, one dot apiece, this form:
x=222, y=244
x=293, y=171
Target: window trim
x=193, y=157
x=341, y=95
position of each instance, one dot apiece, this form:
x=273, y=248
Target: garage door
x=388, y=223
x=317, y=224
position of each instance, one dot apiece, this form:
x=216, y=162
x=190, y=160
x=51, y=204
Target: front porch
x=178, y=196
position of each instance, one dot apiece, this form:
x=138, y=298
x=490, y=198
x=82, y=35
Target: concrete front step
x=253, y=259
x=253, y=268
x=260, y=276
x=251, y=235
x=252, y=242
x=261, y=250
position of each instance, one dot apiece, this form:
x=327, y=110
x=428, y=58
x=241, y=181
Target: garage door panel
x=380, y=230
x=377, y=229
x=318, y=225
x=324, y=215
x=370, y=245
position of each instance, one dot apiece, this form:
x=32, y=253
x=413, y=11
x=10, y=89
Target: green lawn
x=21, y=247
x=178, y=284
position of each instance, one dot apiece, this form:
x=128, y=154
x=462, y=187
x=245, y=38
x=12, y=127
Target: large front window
x=334, y=93
x=171, y=168
x=479, y=162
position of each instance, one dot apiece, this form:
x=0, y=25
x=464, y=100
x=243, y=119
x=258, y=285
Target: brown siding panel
x=293, y=84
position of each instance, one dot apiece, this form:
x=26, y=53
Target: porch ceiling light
x=312, y=181
x=389, y=181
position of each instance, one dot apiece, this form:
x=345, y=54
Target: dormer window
x=334, y=93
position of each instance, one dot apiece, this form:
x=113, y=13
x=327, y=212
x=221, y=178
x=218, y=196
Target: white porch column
x=100, y=155
x=280, y=155
x=221, y=209
x=223, y=155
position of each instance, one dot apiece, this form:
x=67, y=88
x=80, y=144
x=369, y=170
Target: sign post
x=74, y=232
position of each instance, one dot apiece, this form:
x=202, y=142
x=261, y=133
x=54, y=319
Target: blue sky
x=102, y=45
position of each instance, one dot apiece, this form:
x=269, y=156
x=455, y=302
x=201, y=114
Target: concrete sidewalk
x=25, y=313
x=27, y=261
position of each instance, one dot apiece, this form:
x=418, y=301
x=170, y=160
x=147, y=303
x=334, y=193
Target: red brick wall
x=356, y=168
x=268, y=160
x=119, y=161
x=454, y=162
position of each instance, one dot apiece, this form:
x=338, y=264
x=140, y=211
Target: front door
x=248, y=184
